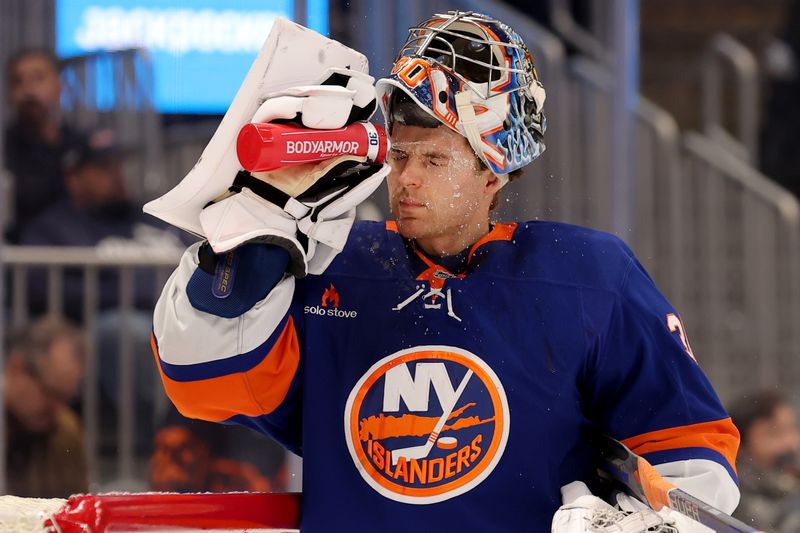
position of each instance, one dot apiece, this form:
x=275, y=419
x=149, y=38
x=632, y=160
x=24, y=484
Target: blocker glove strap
x=313, y=227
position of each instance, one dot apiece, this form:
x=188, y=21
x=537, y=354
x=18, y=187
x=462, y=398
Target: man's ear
x=492, y=182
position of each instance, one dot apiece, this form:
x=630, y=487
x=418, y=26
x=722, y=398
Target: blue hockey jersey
x=428, y=400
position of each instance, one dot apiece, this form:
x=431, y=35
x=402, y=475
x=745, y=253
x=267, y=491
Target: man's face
x=97, y=184
x=772, y=442
x=34, y=88
x=64, y=372
x=437, y=187
x=38, y=392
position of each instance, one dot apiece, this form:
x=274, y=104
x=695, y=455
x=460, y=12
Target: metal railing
x=658, y=222
x=92, y=263
x=741, y=259
x=724, y=51
x=719, y=238
x=583, y=39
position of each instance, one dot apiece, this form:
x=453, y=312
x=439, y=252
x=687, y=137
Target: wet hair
x=25, y=53
x=513, y=175
x=755, y=406
x=402, y=109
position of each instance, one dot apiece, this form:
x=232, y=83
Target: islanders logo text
x=426, y=424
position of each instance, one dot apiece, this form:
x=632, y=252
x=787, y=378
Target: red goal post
x=253, y=512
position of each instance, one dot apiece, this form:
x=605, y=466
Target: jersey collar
x=436, y=274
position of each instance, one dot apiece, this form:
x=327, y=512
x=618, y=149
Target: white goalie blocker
x=292, y=56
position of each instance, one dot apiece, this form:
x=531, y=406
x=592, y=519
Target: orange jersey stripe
x=500, y=232
x=718, y=435
x=259, y=391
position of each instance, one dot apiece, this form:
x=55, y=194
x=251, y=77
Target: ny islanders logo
x=426, y=424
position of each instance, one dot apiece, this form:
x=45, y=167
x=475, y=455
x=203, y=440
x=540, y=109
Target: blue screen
x=201, y=50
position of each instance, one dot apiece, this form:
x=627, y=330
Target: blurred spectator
x=768, y=467
x=780, y=157
x=197, y=456
x=96, y=211
x=43, y=372
x=36, y=138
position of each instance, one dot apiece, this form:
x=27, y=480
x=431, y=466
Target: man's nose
x=410, y=174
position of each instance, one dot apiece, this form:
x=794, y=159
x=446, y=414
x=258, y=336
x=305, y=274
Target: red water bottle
x=265, y=147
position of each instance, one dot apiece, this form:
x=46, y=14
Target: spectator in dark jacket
x=96, y=211
x=37, y=138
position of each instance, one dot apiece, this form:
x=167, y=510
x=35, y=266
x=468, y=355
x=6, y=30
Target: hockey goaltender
x=469, y=362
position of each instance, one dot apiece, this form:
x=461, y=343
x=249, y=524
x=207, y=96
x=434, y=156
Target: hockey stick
x=422, y=451
x=620, y=464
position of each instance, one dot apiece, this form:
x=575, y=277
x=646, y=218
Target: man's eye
x=436, y=162
x=396, y=156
